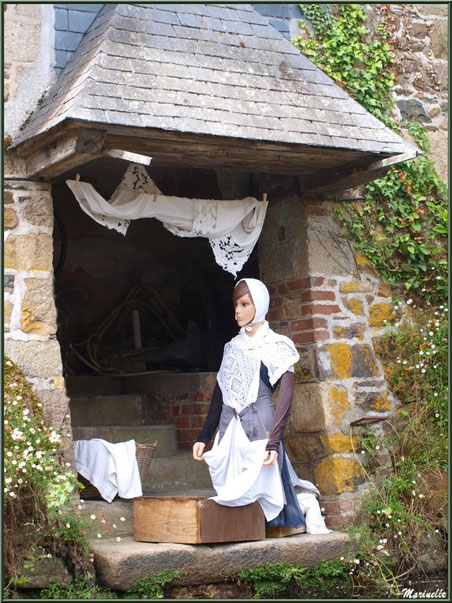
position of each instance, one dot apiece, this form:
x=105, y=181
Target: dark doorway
x=148, y=300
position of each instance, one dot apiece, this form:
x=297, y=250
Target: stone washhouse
x=226, y=107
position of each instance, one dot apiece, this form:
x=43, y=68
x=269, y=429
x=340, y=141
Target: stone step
x=119, y=564
x=177, y=473
x=124, y=409
x=94, y=385
x=143, y=434
x=110, y=519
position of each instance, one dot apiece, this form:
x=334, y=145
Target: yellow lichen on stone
x=8, y=308
x=58, y=382
x=339, y=443
x=361, y=259
x=339, y=404
x=334, y=475
x=356, y=287
x=379, y=313
x=356, y=306
x=382, y=402
x=30, y=325
x=339, y=332
x=341, y=359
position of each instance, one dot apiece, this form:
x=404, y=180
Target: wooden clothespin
x=77, y=178
x=264, y=198
x=156, y=194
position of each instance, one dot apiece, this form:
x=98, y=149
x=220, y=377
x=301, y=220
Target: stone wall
x=30, y=313
x=420, y=44
x=29, y=60
x=332, y=305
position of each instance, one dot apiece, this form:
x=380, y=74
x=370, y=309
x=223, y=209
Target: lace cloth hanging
x=232, y=227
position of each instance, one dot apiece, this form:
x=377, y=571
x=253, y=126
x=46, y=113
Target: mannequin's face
x=244, y=310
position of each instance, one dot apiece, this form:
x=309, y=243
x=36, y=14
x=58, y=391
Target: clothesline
x=232, y=227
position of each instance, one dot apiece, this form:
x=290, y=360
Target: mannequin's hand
x=271, y=457
x=198, y=449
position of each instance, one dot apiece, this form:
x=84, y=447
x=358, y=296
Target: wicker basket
x=144, y=454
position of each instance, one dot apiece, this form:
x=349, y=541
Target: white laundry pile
x=111, y=468
x=232, y=227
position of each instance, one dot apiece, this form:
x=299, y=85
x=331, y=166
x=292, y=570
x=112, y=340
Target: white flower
x=356, y=561
x=99, y=535
x=118, y=538
x=122, y=518
x=421, y=496
x=68, y=525
x=54, y=437
x=435, y=394
x=8, y=363
x=93, y=516
x=377, y=447
x=25, y=410
x=409, y=301
x=363, y=452
x=114, y=525
x=413, y=492
x=342, y=558
x=49, y=556
x=323, y=509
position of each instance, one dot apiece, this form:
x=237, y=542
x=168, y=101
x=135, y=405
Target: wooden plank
x=283, y=532
x=169, y=519
x=65, y=153
x=231, y=524
x=195, y=520
x=348, y=176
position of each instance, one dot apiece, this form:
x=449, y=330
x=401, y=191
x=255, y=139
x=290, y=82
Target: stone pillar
x=331, y=304
x=30, y=312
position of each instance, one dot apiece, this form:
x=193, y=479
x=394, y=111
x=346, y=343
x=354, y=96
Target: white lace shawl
x=232, y=227
x=239, y=372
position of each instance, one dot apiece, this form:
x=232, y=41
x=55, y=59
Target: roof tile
x=214, y=69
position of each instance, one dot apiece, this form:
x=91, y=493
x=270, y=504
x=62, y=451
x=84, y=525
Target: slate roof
x=210, y=69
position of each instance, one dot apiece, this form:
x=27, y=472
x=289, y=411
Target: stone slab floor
x=119, y=564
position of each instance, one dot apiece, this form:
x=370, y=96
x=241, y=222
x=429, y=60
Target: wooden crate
x=195, y=520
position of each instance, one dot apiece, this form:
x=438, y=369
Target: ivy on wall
x=401, y=226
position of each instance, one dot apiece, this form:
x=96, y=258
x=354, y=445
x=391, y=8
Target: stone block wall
x=332, y=305
x=29, y=305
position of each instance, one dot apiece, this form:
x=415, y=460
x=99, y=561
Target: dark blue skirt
x=291, y=516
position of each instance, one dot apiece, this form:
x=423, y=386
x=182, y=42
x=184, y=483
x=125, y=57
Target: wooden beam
x=349, y=176
x=67, y=152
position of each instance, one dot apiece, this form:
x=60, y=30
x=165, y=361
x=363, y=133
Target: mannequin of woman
x=248, y=461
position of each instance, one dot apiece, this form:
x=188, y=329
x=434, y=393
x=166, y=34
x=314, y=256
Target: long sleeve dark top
x=283, y=407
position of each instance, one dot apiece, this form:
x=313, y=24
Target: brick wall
x=182, y=398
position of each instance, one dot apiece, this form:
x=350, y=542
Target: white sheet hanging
x=238, y=475
x=111, y=468
x=232, y=227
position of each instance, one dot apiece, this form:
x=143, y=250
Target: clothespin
x=156, y=194
x=264, y=198
x=77, y=178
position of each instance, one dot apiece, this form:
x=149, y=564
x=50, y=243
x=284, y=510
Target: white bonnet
x=260, y=296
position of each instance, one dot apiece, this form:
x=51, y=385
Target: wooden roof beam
x=67, y=152
x=345, y=177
